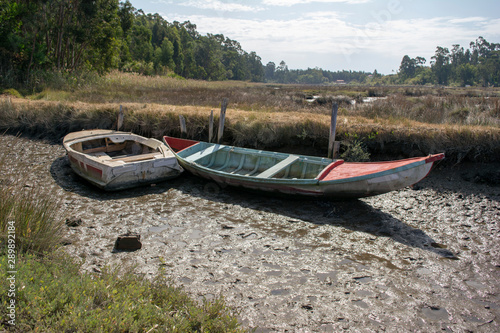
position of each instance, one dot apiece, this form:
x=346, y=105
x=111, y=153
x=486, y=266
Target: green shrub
x=355, y=152
x=12, y=92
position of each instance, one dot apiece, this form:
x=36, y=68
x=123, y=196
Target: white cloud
x=219, y=6
x=491, y=28
x=289, y=3
x=424, y=35
x=468, y=20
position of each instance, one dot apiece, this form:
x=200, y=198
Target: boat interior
x=258, y=164
x=106, y=149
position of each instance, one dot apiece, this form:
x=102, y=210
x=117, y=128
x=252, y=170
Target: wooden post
x=222, y=119
x=119, y=120
x=336, y=147
x=183, y=126
x=333, y=145
x=211, y=126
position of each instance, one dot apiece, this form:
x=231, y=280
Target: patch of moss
x=12, y=92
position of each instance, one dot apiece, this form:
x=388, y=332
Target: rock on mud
x=128, y=242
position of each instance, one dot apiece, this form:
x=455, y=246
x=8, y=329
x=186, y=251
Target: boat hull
x=122, y=172
x=123, y=177
x=320, y=177
x=342, y=189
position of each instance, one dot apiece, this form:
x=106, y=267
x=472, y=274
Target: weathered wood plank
x=211, y=126
x=182, y=122
x=222, y=119
x=333, y=125
x=135, y=158
x=120, y=118
x=109, y=148
x=278, y=167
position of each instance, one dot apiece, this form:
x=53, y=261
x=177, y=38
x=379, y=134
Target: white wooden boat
x=115, y=160
x=297, y=174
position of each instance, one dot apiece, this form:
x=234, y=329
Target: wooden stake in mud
x=333, y=146
x=182, y=122
x=222, y=119
x=211, y=126
x=119, y=120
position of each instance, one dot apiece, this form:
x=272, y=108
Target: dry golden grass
x=470, y=106
x=265, y=130
x=453, y=109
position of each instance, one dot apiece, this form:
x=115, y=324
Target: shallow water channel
x=424, y=258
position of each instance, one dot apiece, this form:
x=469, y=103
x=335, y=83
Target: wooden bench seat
x=269, y=173
x=203, y=153
x=105, y=149
x=102, y=156
x=135, y=158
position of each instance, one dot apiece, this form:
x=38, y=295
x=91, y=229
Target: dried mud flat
x=422, y=259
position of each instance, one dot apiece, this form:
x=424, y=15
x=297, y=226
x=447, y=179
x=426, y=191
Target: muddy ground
x=421, y=259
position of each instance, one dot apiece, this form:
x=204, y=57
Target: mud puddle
x=419, y=259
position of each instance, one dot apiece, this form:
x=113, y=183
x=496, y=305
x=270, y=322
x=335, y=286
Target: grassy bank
x=51, y=294
x=396, y=121
x=297, y=131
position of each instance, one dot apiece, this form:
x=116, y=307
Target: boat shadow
x=352, y=215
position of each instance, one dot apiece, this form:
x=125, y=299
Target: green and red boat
x=297, y=174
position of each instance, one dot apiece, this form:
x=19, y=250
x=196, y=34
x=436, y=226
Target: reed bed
x=391, y=136
x=397, y=121
x=453, y=109
x=469, y=106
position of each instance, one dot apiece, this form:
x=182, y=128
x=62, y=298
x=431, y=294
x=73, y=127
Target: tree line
x=281, y=74
x=80, y=36
x=477, y=65
x=40, y=36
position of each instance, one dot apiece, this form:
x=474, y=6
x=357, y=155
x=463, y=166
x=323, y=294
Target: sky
x=358, y=35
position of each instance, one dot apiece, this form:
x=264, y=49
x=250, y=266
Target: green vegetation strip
x=53, y=296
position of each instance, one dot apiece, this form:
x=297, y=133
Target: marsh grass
x=32, y=216
x=424, y=104
x=394, y=135
x=406, y=121
x=37, y=225
x=453, y=109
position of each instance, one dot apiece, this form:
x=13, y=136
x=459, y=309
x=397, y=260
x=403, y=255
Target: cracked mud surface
x=420, y=259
